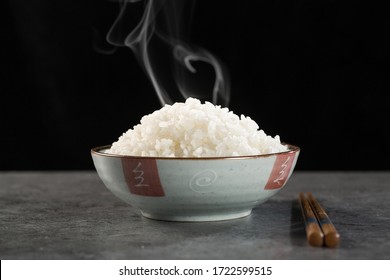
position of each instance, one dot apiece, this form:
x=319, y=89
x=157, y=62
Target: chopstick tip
x=332, y=239
x=316, y=239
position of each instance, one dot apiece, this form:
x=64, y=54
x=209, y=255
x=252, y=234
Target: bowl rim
x=97, y=151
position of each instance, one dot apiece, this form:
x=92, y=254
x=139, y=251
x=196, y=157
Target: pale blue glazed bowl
x=195, y=189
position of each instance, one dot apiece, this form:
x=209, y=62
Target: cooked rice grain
x=193, y=129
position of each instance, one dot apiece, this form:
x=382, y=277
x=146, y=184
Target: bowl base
x=210, y=217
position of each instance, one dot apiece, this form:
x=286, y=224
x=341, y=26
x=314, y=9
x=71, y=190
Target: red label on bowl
x=142, y=176
x=280, y=171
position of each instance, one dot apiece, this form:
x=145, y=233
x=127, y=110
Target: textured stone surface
x=71, y=215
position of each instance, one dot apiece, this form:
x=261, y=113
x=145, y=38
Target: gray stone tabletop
x=71, y=215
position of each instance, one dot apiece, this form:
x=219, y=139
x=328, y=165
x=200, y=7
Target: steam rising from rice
x=193, y=129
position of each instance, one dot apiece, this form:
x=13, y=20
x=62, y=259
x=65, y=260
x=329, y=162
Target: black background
x=314, y=72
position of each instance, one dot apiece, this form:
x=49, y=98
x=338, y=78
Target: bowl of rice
x=194, y=161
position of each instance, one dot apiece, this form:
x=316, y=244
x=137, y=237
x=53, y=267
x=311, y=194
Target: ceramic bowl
x=195, y=189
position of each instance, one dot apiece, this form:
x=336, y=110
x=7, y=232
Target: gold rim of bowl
x=292, y=149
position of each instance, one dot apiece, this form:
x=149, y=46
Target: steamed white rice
x=193, y=129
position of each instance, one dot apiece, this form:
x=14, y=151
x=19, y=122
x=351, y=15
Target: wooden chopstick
x=331, y=236
x=314, y=234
